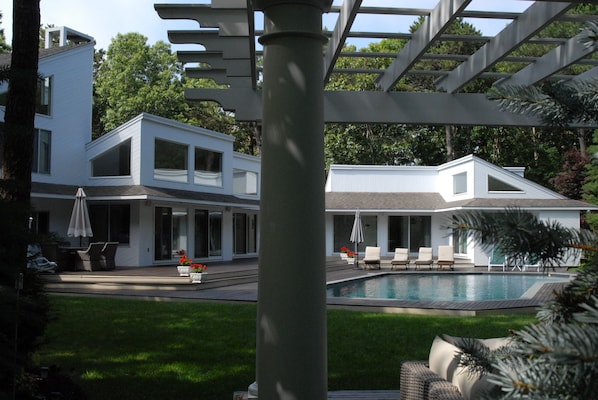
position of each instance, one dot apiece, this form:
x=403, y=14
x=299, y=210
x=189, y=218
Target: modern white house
x=411, y=206
x=153, y=185
x=157, y=186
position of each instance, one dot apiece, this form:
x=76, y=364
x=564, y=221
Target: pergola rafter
x=228, y=33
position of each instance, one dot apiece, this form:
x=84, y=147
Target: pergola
x=290, y=103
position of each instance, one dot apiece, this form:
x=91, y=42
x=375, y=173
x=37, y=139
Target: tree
x=4, y=47
x=556, y=358
x=25, y=309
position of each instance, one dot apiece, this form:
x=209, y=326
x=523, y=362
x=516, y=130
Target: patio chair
x=108, y=255
x=497, y=259
x=401, y=258
x=372, y=256
x=424, y=257
x=446, y=257
x=532, y=261
x=89, y=260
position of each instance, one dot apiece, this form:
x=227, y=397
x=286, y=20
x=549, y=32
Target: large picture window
x=114, y=162
x=343, y=224
x=170, y=161
x=110, y=222
x=208, y=167
x=410, y=232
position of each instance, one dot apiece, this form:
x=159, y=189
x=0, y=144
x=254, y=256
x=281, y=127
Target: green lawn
x=134, y=349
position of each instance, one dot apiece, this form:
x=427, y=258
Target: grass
x=133, y=349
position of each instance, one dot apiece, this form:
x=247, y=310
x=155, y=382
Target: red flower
x=198, y=268
x=184, y=260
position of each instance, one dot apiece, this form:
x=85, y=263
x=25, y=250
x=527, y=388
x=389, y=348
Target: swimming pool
x=443, y=287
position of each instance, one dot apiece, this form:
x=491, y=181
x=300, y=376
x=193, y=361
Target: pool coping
x=526, y=305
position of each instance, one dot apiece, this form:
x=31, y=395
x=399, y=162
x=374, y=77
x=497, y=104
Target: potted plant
x=195, y=272
x=351, y=255
x=184, y=263
x=344, y=251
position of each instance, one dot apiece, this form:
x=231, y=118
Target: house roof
x=433, y=202
x=139, y=192
x=5, y=58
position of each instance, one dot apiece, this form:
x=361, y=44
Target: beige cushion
x=473, y=385
x=443, y=358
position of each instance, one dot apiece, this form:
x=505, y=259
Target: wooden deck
x=347, y=395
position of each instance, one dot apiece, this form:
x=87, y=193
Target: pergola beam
x=536, y=17
x=440, y=18
x=549, y=64
x=348, y=11
x=466, y=109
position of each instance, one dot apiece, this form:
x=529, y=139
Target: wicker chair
x=418, y=382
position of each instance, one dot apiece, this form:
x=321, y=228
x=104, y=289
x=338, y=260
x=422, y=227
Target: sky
x=104, y=19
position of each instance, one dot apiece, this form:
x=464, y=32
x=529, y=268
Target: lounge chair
x=446, y=257
x=497, y=259
x=424, y=257
x=89, y=260
x=372, y=256
x=107, y=256
x=401, y=258
x=532, y=261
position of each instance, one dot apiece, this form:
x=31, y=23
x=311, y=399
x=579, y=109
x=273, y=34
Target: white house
x=157, y=186
x=153, y=185
x=410, y=206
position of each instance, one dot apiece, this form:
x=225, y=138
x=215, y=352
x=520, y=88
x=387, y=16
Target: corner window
x=208, y=168
x=114, y=162
x=41, y=151
x=170, y=161
x=460, y=183
x=496, y=185
x=244, y=182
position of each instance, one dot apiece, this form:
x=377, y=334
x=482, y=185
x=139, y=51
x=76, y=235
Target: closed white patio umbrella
x=79, y=226
x=357, y=234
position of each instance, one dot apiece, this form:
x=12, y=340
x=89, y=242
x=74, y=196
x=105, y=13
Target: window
x=208, y=233
x=460, y=183
x=244, y=182
x=245, y=233
x=208, y=168
x=170, y=161
x=114, y=162
x=41, y=151
x=410, y=232
x=40, y=222
x=496, y=185
x=43, y=99
x=343, y=225
x=110, y=222
x=44, y=96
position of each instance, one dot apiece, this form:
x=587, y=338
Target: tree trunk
x=15, y=186
x=450, y=152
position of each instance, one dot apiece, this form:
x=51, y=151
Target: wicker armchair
x=418, y=382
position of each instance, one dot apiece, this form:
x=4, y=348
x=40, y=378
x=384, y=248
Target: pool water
x=443, y=287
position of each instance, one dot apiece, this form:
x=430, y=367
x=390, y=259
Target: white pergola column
x=291, y=324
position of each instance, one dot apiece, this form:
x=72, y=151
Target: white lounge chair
x=372, y=256
x=424, y=257
x=446, y=257
x=532, y=261
x=401, y=258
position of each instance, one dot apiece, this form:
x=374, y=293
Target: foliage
x=556, y=358
x=4, y=47
x=520, y=234
x=197, y=268
x=590, y=187
x=208, y=352
x=570, y=181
